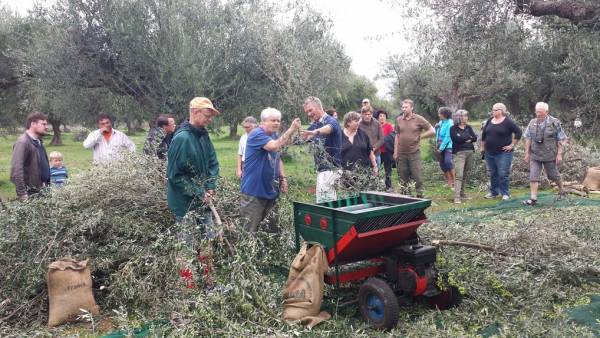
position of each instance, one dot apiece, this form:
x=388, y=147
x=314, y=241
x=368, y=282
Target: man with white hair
x=544, y=139
x=326, y=134
x=264, y=177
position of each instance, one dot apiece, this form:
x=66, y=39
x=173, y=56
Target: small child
x=58, y=173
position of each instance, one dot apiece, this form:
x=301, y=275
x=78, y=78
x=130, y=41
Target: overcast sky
x=368, y=29
x=370, y=32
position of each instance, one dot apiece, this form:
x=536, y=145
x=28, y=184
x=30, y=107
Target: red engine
x=411, y=267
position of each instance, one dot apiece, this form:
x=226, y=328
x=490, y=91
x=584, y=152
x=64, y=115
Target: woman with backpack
x=443, y=145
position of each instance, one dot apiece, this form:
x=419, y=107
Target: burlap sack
x=592, y=178
x=303, y=293
x=69, y=290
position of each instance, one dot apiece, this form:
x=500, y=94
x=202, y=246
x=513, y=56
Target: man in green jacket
x=192, y=170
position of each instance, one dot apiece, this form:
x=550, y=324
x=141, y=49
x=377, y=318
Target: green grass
x=77, y=158
x=300, y=169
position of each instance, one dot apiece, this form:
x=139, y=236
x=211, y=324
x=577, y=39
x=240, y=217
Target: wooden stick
x=467, y=244
x=215, y=213
x=575, y=192
x=219, y=222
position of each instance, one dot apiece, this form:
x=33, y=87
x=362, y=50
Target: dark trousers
x=388, y=163
x=255, y=210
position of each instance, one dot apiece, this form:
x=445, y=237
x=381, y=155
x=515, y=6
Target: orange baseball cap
x=203, y=103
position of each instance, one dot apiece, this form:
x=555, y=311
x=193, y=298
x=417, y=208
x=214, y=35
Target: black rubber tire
x=447, y=299
x=380, y=291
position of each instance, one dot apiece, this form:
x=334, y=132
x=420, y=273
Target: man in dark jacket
x=159, y=138
x=192, y=170
x=30, y=170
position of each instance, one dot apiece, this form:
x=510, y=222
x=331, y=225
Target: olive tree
x=475, y=52
x=145, y=57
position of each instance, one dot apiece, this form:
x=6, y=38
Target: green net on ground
x=504, y=209
x=588, y=314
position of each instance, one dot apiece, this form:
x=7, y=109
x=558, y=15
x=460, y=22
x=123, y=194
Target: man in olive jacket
x=192, y=170
x=29, y=169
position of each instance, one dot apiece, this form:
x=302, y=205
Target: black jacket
x=461, y=136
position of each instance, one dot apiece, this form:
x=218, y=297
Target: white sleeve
x=242, y=145
x=128, y=144
x=92, y=139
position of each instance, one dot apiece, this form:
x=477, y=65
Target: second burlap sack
x=303, y=293
x=69, y=291
x=592, y=178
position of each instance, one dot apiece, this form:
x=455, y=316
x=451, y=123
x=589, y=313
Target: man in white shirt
x=248, y=124
x=107, y=142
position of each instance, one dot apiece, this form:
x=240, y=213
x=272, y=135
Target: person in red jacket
x=386, y=156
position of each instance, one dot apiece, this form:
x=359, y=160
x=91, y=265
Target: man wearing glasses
x=248, y=124
x=544, y=139
x=192, y=171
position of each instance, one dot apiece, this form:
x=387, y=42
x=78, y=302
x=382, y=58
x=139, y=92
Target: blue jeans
x=498, y=167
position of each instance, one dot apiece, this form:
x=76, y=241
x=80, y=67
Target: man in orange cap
x=192, y=170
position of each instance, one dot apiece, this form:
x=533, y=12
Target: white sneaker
x=505, y=197
x=489, y=196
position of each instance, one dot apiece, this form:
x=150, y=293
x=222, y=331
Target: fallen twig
x=468, y=245
x=350, y=302
x=575, y=192
x=22, y=306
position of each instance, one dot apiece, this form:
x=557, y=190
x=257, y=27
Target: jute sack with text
x=69, y=290
x=303, y=293
x=592, y=178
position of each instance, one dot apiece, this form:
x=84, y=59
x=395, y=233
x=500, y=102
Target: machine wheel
x=378, y=304
x=447, y=299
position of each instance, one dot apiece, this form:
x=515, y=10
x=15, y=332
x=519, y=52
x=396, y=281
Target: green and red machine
x=373, y=237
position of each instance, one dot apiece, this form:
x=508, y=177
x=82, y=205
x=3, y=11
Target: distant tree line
x=472, y=53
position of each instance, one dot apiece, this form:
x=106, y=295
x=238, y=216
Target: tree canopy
x=473, y=53
x=139, y=58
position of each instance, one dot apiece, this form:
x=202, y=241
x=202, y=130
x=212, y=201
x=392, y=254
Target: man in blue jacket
x=264, y=176
x=192, y=170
